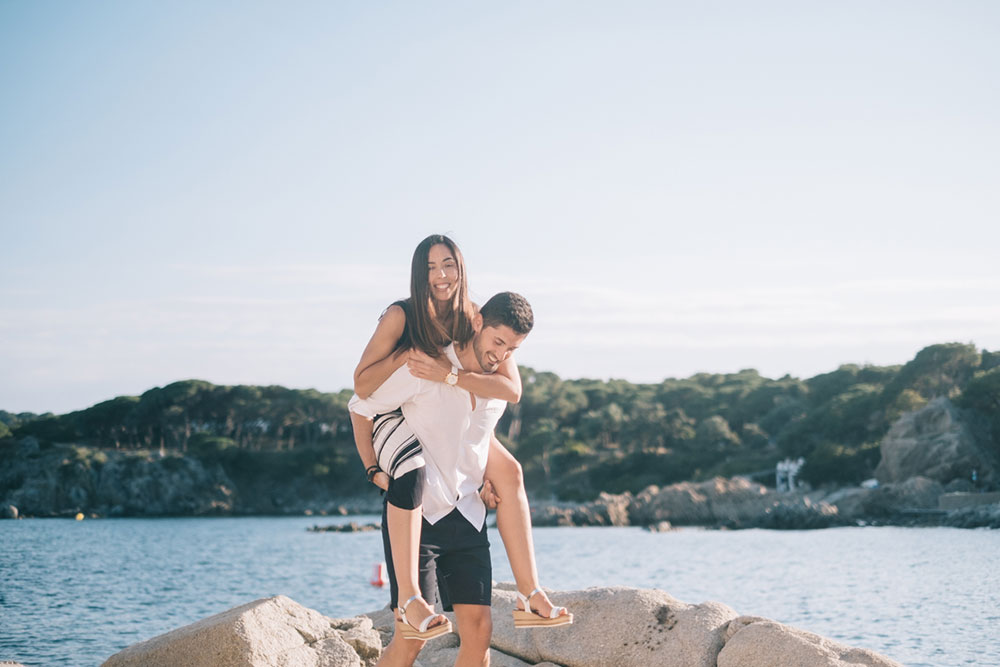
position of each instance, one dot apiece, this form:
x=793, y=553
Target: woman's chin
x=443, y=297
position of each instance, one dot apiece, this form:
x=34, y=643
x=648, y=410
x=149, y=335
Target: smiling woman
x=433, y=332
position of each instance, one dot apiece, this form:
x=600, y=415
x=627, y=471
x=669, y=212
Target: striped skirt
x=396, y=447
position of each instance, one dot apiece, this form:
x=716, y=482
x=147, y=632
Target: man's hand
x=489, y=495
x=427, y=367
x=381, y=480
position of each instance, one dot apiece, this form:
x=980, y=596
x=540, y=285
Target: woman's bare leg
x=514, y=522
x=404, y=535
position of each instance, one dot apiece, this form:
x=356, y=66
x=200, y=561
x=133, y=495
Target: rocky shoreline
x=739, y=504
x=67, y=481
x=613, y=627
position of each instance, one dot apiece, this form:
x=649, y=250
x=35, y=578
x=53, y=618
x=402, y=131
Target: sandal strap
x=554, y=613
x=424, y=624
x=525, y=598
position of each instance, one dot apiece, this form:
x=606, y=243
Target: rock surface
x=271, y=631
x=613, y=627
x=917, y=493
x=751, y=641
x=617, y=626
x=936, y=442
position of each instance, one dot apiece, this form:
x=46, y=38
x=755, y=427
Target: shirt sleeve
x=399, y=388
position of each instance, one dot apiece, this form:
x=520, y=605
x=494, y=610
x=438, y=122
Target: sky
x=232, y=191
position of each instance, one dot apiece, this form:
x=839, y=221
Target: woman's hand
x=426, y=367
x=381, y=480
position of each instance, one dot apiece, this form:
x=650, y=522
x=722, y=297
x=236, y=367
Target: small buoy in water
x=378, y=576
x=79, y=516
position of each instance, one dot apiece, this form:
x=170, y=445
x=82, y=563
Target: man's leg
x=465, y=577
x=475, y=627
x=400, y=652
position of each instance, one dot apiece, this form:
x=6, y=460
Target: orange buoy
x=378, y=576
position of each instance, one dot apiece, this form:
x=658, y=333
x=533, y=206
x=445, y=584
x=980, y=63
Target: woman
x=412, y=332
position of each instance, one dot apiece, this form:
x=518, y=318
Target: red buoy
x=378, y=576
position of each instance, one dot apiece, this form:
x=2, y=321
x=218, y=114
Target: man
x=454, y=428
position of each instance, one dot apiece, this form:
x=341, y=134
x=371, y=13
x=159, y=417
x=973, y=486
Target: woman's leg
x=514, y=522
x=403, y=518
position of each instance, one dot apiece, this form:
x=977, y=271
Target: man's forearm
x=363, y=439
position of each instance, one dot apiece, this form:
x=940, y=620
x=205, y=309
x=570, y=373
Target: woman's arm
x=377, y=361
x=504, y=384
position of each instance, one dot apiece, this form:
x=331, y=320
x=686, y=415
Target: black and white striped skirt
x=396, y=447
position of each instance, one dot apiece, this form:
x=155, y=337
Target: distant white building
x=785, y=473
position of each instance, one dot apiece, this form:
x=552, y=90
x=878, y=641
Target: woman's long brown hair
x=425, y=331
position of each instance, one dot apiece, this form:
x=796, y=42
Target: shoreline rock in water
x=613, y=627
x=738, y=503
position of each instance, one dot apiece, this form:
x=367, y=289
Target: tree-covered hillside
x=575, y=438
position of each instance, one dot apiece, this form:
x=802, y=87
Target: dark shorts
x=455, y=566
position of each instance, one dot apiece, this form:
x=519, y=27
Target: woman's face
x=442, y=272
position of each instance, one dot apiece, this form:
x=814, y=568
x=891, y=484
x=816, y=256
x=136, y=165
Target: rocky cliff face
x=63, y=480
x=937, y=442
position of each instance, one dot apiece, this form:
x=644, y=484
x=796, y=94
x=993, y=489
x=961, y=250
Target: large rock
x=613, y=627
x=796, y=513
x=268, y=632
x=616, y=626
x=608, y=510
x=751, y=641
x=715, y=501
x=916, y=493
x=936, y=442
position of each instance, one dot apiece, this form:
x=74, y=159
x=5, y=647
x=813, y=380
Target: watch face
x=451, y=379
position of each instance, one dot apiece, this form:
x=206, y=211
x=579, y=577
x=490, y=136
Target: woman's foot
x=418, y=620
x=536, y=610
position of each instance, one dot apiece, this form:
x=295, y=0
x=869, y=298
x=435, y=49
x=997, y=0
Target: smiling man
x=454, y=428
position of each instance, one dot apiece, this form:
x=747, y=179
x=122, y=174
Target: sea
x=76, y=592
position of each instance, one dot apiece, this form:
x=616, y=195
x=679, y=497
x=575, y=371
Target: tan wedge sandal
x=424, y=631
x=528, y=618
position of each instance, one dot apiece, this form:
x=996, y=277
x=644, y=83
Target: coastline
x=64, y=481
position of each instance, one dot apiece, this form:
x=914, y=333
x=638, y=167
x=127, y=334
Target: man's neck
x=467, y=356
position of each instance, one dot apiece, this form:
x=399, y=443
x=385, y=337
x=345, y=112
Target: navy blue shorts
x=455, y=566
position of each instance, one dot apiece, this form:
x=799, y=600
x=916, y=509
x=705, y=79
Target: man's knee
x=475, y=624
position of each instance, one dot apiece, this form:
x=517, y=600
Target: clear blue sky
x=232, y=190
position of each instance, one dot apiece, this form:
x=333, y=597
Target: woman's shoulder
x=397, y=311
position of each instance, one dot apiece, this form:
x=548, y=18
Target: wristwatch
x=452, y=377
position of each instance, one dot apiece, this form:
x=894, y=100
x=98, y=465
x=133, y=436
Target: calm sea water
x=74, y=593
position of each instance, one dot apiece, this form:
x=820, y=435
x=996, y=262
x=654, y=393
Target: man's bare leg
x=475, y=627
x=514, y=522
x=400, y=652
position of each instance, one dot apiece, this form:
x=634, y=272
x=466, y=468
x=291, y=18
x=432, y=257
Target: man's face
x=493, y=345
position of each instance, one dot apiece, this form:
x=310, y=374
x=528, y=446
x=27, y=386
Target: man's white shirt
x=454, y=429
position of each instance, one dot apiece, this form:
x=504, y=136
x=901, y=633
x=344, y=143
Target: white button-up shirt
x=454, y=429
